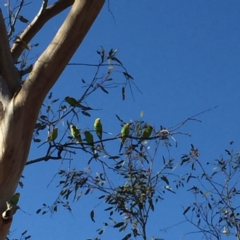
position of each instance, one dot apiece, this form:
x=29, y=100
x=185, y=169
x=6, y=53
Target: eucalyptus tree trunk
x=20, y=103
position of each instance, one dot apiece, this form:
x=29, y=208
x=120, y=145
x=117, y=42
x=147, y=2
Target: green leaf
x=110, y=53
x=164, y=178
x=186, y=210
x=103, y=89
x=92, y=216
x=23, y=19
x=228, y=152
x=87, y=191
x=127, y=236
x=102, y=54
x=117, y=60
x=21, y=184
x=23, y=233
x=199, y=221
x=107, y=209
x=114, y=157
x=55, y=208
x=86, y=113
x=210, y=206
x=127, y=75
x=118, y=224
x=184, y=160
x=123, y=93
x=38, y=211
x=55, y=100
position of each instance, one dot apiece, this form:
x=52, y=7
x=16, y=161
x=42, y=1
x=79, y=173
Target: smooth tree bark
x=20, y=103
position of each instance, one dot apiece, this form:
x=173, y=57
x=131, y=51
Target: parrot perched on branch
x=12, y=207
x=146, y=132
x=75, y=133
x=89, y=139
x=14, y=199
x=98, y=129
x=124, y=134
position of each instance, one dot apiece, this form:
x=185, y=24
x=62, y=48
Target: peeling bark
x=19, y=108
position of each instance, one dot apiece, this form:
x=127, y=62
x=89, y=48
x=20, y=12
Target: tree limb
x=44, y=159
x=4, y=228
x=54, y=59
x=8, y=71
x=43, y=16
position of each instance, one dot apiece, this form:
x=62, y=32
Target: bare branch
x=44, y=159
x=7, y=69
x=12, y=23
x=43, y=16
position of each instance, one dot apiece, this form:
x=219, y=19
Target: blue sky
x=184, y=57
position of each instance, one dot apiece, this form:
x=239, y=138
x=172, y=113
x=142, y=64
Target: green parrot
x=98, y=128
x=124, y=134
x=75, y=133
x=72, y=102
x=53, y=135
x=12, y=207
x=14, y=199
x=146, y=132
x=89, y=139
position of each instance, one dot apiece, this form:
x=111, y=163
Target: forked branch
x=43, y=16
x=54, y=59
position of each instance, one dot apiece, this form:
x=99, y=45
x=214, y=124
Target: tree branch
x=8, y=71
x=44, y=159
x=54, y=59
x=43, y=16
x=4, y=228
x=13, y=22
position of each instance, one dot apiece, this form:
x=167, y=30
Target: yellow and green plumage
x=12, y=206
x=89, y=139
x=14, y=199
x=124, y=134
x=76, y=133
x=146, y=132
x=98, y=128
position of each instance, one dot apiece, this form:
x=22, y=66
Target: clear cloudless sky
x=185, y=57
